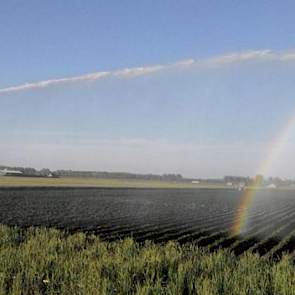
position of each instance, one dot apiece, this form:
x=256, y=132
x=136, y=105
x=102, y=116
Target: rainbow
x=277, y=147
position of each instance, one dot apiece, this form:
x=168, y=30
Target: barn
x=7, y=172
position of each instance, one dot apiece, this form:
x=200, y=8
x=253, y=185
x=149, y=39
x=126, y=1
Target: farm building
x=6, y=172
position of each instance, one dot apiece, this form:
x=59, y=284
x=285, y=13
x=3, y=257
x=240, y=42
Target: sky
x=201, y=88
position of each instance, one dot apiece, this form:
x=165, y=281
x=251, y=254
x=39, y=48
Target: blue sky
x=201, y=88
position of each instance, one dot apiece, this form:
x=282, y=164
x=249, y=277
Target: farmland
x=108, y=240
x=10, y=181
x=201, y=216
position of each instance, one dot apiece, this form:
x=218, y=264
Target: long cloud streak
x=253, y=55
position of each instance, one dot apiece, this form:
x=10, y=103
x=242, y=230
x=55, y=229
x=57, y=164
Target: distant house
x=6, y=172
x=272, y=185
x=195, y=181
x=240, y=186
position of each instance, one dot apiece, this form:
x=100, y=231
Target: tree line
x=45, y=172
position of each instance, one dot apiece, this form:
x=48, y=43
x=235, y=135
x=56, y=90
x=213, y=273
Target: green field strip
x=76, y=182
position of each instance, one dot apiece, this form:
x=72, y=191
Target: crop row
x=262, y=236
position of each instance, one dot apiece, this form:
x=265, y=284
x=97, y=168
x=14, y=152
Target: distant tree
x=258, y=180
x=29, y=171
x=45, y=172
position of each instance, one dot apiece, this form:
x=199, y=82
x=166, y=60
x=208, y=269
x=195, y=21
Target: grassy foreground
x=47, y=261
x=97, y=182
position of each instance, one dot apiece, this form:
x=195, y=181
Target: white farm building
x=6, y=172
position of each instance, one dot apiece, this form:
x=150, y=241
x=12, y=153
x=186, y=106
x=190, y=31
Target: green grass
x=48, y=261
x=12, y=181
x=96, y=182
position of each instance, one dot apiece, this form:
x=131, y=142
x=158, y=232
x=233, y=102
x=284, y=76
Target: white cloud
x=241, y=57
x=221, y=60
